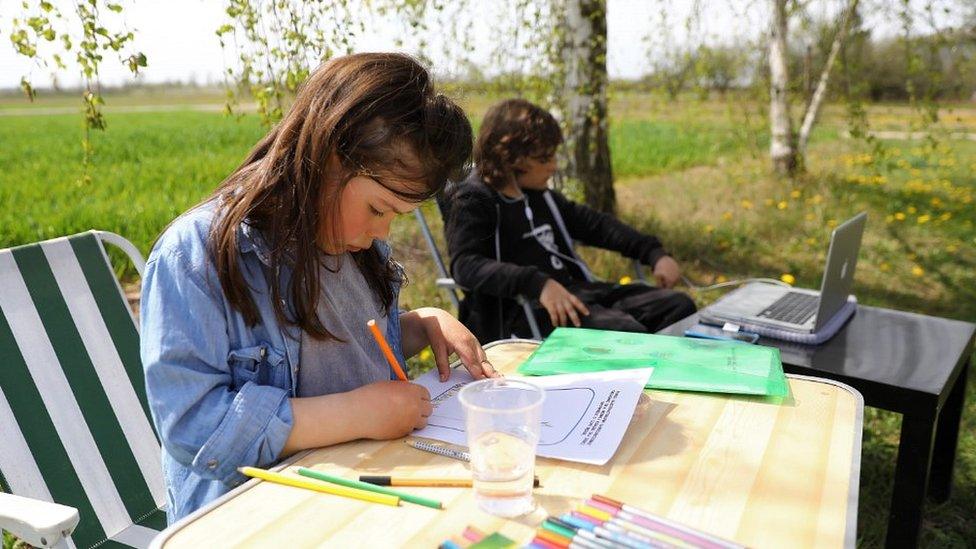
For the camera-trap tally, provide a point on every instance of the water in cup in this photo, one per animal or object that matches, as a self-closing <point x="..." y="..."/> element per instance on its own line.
<point x="502" y="465"/>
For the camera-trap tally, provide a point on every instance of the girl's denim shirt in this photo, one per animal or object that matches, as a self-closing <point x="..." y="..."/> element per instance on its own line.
<point x="218" y="389"/>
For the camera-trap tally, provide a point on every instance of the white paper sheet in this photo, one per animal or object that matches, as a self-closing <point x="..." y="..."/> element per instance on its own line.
<point x="584" y="416"/>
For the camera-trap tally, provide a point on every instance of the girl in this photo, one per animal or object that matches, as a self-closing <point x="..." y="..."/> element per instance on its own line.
<point x="255" y="303"/>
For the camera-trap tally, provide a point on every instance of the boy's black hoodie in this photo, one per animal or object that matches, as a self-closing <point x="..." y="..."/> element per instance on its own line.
<point x="499" y="250"/>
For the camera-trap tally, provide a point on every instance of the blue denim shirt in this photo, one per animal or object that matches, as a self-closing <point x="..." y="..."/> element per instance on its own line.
<point x="218" y="389"/>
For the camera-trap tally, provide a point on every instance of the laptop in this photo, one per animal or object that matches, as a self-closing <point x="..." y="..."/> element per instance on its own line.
<point x="797" y="310"/>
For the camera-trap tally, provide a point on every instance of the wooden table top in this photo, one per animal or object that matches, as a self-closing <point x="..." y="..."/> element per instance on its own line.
<point x="753" y="470"/>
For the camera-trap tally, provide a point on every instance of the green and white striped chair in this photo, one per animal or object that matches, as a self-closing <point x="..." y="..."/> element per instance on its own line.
<point x="74" y="420"/>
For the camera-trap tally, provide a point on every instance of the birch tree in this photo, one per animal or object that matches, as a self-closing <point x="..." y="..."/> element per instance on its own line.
<point x="584" y="94"/>
<point x="786" y="147"/>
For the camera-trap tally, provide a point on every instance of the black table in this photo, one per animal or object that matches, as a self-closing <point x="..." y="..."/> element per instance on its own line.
<point x="908" y="363"/>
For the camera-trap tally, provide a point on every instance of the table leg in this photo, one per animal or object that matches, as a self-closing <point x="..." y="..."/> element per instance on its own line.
<point x="911" y="478"/>
<point x="946" y="439"/>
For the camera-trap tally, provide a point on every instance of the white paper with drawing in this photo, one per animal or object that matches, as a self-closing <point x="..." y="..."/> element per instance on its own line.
<point x="584" y="416"/>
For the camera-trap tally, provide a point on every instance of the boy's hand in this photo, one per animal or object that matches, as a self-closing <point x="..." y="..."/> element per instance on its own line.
<point x="391" y="409"/>
<point x="447" y="335"/>
<point x="562" y="305"/>
<point x="667" y="272"/>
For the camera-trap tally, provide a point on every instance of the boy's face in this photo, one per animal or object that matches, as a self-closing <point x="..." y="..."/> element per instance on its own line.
<point x="536" y="172"/>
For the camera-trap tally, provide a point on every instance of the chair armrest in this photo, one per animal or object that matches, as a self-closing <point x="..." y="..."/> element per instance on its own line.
<point x="38" y="523"/>
<point x="449" y="284"/>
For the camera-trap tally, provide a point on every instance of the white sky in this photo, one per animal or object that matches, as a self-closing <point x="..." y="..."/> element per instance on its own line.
<point x="178" y="36"/>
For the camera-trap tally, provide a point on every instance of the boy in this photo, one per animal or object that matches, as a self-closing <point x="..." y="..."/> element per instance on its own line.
<point x="508" y="234"/>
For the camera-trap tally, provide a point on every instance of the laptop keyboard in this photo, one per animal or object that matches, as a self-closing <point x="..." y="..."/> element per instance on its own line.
<point x="794" y="307"/>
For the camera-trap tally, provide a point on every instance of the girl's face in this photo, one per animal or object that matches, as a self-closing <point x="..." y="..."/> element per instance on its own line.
<point x="366" y="209"/>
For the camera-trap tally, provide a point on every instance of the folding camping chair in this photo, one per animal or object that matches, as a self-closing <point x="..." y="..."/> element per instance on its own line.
<point x="446" y="283"/>
<point x="79" y="459"/>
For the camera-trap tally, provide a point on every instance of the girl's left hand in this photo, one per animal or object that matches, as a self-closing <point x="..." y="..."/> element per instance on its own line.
<point x="447" y="335"/>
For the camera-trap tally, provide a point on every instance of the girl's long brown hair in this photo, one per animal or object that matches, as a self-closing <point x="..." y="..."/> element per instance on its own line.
<point x="378" y="114"/>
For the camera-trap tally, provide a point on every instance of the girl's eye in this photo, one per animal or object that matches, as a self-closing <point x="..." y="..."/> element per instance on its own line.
<point x="375" y="212"/>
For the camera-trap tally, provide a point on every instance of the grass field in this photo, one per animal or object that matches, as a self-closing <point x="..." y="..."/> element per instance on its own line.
<point x="695" y="173"/>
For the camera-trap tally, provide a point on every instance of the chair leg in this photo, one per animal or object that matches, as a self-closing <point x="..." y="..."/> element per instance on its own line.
<point x="530" y="317"/>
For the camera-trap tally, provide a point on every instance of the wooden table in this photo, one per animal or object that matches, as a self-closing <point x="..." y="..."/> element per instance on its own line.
<point x="761" y="472"/>
<point x="908" y="363"/>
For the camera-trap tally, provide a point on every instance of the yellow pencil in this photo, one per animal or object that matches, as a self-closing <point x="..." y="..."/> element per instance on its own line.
<point x="318" y="486"/>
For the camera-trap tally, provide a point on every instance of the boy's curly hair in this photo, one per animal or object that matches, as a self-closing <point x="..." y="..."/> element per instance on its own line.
<point x="513" y="130"/>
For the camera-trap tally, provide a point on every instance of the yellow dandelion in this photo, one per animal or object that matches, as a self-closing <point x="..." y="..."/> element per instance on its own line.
<point x="624" y="280"/>
<point x="899" y="216"/>
<point x="746" y="204"/>
<point x="884" y="267"/>
<point x="426" y="354"/>
<point x="924" y="219"/>
<point x="831" y="223"/>
<point x="782" y="205"/>
<point x="708" y="229"/>
<point x="952" y="248"/>
<point x="720" y="279"/>
<point x="912" y="210"/>
<point x="946" y="216"/>
<point x="788" y="278"/>
<point x="795" y="194"/>
<point x="817" y="199"/>
<point x="936" y="201"/>
<point x="727" y="216"/>
<point x="811" y="241"/>
<point x="917" y="270"/>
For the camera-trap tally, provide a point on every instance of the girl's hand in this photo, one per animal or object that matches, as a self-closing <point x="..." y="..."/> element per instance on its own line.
<point x="445" y="335"/>
<point x="391" y="409"/>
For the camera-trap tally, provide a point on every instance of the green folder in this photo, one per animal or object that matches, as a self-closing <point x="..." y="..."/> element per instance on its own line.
<point x="679" y="363"/>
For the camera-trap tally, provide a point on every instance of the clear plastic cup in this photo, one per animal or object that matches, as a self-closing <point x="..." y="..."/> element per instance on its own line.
<point x="502" y="419"/>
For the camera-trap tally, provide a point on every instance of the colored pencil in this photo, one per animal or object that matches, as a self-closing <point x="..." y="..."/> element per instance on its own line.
<point x="645" y="517"/>
<point x="580" y="531"/>
<point x="369" y="487"/>
<point x="613" y="532"/>
<point x="317" y="486"/>
<point x="545" y="543"/>
<point x="420" y="481"/>
<point x="473" y="534"/>
<point x="387" y="352"/>
<point x="553" y="537"/>
<point x="650" y="529"/>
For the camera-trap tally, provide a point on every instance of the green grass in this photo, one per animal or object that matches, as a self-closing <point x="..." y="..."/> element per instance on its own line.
<point x="693" y="172"/>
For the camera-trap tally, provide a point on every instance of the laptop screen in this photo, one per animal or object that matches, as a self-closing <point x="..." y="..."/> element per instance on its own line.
<point x="838" y="276"/>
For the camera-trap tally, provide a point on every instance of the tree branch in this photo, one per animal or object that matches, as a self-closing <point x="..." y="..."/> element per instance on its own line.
<point x="813" y="109"/>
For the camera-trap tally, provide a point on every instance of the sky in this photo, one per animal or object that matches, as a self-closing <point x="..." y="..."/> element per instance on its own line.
<point x="179" y="40"/>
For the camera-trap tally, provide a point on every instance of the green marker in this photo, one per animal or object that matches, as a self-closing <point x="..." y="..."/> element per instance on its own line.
<point x="305" y="472"/>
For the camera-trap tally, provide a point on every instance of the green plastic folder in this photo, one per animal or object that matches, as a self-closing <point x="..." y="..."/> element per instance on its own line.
<point x="679" y="363"/>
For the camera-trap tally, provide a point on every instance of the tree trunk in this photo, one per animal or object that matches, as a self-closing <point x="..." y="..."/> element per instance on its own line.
<point x="818" y="95"/>
<point x="584" y="57"/>
<point x="781" y="147"/>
